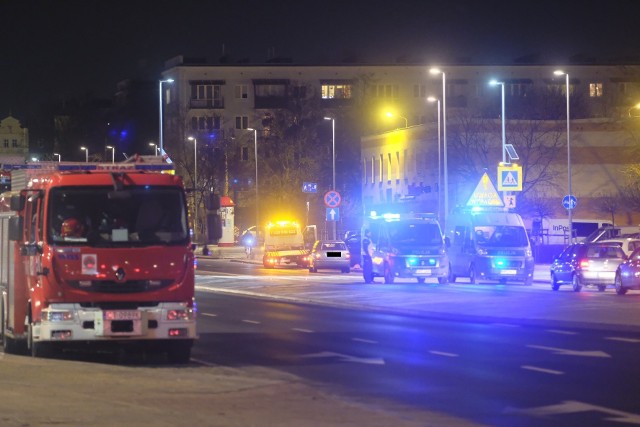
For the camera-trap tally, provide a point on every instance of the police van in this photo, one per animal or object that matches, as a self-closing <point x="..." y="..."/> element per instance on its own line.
<point x="404" y="246"/>
<point x="489" y="244"/>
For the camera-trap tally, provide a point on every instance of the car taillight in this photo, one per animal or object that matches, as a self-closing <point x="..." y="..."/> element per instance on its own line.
<point x="584" y="263"/>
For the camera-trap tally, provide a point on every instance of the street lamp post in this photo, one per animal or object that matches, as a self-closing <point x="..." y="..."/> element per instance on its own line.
<point x="195" y="185"/>
<point x="333" y="151"/>
<point x="113" y="153"/>
<point x="160" y="111"/>
<point x="86" y="153"/>
<point x="504" y="138"/>
<point x="255" y="155"/>
<point x="406" y="122"/>
<point x="59" y="157"/>
<point x="570" y="210"/>
<point x="444" y="142"/>
<point x="434" y="99"/>
<point x="155" y="148"/>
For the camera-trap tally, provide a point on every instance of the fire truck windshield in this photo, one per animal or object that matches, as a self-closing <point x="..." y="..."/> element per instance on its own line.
<point x="135" y="216"/>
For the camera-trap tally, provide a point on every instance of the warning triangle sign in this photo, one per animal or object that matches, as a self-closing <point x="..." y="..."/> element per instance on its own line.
<point x="485" y="194"/>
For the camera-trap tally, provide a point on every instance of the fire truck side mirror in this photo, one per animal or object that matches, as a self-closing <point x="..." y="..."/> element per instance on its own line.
<point x="17" y="202"/>
<point x="15" y="228"/>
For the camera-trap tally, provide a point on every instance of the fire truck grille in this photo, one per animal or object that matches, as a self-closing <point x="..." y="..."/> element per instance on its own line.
<point x="112" y="287"/>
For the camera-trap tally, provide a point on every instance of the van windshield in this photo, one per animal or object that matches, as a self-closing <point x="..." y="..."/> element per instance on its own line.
<point x="403" y="234"/>
<point x="501" y="236"/>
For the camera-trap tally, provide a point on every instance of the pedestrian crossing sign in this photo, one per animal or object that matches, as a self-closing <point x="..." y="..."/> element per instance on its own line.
<point x="485" y="194"/>
<point x="510" y="178"/>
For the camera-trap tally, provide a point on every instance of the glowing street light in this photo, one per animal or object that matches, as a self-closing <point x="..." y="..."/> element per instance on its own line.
<point x="255" y="155"/>
<point x="436" y="71"/>
<point x="59" y="157"/>
<point x="86" y="153"/>
<point x="155" y="148"/>
<point x="570" y="210"/>
<point x="504" y="138"/>
<point x="195" y="185"/>
<point x="434" y="99"/>
<point x="406" y="122"/>
<point x="160" y="111"/>
<point x="113" y="153"/>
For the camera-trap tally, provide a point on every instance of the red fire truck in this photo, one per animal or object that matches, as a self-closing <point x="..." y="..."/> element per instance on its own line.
<point x="97" y="254"/>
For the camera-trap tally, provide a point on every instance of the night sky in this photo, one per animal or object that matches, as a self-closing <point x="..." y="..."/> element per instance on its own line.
<point x="55" y="49"/>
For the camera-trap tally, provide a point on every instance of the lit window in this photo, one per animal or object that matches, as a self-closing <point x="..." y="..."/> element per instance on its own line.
<point x="595" y="90"/>
<point x="336" y="91"/>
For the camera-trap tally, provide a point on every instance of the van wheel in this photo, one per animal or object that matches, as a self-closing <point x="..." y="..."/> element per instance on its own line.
<point x="388" y="275"/>
<point x="472" y="275"/>
<point x="620" y="290"/>
<point x="443" y="280"/>
<point x="601" y="288"/>
<point x="420" y="279"/>
<point x="554" y="282"/>
<point x="577" y="284"/>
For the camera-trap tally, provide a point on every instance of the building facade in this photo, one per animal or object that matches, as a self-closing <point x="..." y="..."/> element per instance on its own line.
<point x="14" y="141"/>
<point x="225" y="100"/>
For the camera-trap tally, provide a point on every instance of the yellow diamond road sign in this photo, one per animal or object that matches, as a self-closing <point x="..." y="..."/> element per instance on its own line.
<point x="485" y="194"/>
<point x="510" y="178"/>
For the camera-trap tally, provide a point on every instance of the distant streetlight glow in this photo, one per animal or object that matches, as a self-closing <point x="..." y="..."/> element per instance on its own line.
<point x="113" y="153"/>
<point x="195" y="185"/>
<point x="570" y="210"/>
<point x="504" y="137"/>
<point x="255" y="155"/>
<point x="436" y="71"/>
<point x="86" y="153"/>
<point x="160" y="112"/>
<point x="406" y="122"/>
<point x="155" y="148"/>
<point x="59" y="157"/>
<point x="434" y="99"/>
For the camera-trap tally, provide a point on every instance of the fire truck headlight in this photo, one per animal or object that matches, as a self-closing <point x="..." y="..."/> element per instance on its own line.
<point x="180" y="314"/>
<point x="57" y="316"/>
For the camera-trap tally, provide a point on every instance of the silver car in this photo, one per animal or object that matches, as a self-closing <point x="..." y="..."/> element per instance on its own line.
<point x="587" y="264"/>
<point x="628" y="274"/>
<point x="329" y="254"/>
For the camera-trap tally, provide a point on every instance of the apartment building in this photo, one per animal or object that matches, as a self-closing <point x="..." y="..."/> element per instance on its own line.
<point x="14" y="141"/>
<point x="224" y="100"/>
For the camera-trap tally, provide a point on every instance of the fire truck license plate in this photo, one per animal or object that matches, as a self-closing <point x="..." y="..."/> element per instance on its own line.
<point x="122" y="315"/>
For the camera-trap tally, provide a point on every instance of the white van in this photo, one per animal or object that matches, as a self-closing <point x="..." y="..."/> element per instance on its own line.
<point x="489" y="245"/>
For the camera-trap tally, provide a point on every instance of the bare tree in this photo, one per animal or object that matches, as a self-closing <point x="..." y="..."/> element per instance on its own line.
<point x="609" y="204"/>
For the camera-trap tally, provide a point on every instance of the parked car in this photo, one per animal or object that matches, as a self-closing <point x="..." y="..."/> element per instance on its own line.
<point x="329" y="254"/>
<point x="628" y="274"/>
<point x="627" y="244"/>
<point x="587" y="264"/>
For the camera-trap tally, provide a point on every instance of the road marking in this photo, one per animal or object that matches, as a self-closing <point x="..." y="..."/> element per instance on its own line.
<point x="443" y="353"/>
<point x="568" y="352"/>
<point x="508" y="325"/>
<point x="364" y="340"/>
<point x="345" y="358"/>
<point x="308" y="331"/>
<point x="202" y="362"/>
<point x="208" y="314"/>
<point x="544" y="370"/>
<point x="558" y="331"/>
<point x="255" y="322"/>
<point x="632" y="340"/>
<point x="572" y="406"/>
